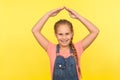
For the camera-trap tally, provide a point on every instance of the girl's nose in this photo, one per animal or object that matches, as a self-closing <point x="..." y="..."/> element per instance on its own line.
<point x="64" y="37"/>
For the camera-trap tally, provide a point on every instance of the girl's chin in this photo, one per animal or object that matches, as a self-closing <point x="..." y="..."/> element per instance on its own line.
<point x="64" y="45"/>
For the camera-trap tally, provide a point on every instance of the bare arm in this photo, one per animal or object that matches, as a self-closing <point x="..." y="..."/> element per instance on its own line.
<point x="93" y="30"/>
<point x="36" y="30"/>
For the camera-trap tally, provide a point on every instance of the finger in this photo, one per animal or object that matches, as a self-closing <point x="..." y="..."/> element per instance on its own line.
<point x="68" y="9"/>
<point x="62" y="7"/>
<point x="59" y="9"/>
<point x="56" y="11"/>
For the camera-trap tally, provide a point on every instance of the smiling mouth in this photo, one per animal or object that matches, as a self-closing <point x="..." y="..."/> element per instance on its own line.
<point x="64" y="41"/>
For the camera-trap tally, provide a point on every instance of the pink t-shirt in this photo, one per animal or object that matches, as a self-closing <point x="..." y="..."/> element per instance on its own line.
<point x="52" y="54"/>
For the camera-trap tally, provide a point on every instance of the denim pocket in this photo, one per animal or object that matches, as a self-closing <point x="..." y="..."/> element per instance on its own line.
<point x="59" y="74"/>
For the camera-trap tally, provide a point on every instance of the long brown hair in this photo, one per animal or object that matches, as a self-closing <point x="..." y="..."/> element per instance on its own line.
<point x="64" y="21"/>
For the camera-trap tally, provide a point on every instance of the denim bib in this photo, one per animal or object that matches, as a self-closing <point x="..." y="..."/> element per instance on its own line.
<point x="64" y="68"/>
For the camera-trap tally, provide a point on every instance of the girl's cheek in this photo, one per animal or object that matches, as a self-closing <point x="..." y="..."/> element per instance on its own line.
<point x="70" y="36"/>
<point x="59" y="37"/>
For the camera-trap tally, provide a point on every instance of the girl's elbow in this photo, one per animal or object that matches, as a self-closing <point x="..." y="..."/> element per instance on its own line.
<point x="34" y="30"/>
<point x="95" y="31"/>
<point x="98" y="31"/>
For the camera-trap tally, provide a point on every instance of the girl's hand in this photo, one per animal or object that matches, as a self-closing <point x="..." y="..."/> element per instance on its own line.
<point x="54" y="12"/>
<point x="72" y="13"/>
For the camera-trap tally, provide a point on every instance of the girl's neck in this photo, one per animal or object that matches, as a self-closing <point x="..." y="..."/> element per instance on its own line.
<point x="64" y="48"/>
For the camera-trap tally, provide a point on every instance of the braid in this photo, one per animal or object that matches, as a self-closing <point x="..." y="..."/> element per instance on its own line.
<point x="75" y="56"/>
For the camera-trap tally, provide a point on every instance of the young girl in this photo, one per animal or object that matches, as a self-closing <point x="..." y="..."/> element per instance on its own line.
<point x="65" y="56"/>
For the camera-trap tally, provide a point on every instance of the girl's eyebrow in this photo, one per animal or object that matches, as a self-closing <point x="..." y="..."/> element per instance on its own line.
<point x="60" y="33"/>
<point x="67" y="33"/>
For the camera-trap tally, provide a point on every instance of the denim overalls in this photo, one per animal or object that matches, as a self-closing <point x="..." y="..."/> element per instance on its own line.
<point x="64" y="68"/>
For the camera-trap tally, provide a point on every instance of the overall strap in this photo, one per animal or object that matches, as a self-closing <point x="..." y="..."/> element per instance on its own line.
<point x="57" y="48"/>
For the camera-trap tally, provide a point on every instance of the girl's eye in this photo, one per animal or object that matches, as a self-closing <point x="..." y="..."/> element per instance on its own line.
<point x="67" y="33"/>
<point x="60" y="34"/>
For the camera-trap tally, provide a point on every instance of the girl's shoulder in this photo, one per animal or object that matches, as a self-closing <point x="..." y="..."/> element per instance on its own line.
<point x="51" y="45"/>
<point x="78" y="45"/>
<point x="51" y="48"/>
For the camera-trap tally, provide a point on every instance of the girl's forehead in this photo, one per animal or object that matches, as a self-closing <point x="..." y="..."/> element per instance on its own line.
<point x="64" y="26"/>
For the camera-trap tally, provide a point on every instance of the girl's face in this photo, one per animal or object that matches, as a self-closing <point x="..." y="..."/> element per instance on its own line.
<point x="64" y="35"/>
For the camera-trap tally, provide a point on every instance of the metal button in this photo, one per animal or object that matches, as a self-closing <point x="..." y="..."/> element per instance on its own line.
<point x="60" y="65"/>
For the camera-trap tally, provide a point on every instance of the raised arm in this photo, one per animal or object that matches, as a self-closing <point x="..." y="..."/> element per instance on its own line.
<point x="93" y="30"/>
<point x="36" y="30"/>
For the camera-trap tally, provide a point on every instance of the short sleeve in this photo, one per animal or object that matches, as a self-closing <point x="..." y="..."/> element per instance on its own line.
<point x="51" y="49"/>
<point x="79" y="48"/>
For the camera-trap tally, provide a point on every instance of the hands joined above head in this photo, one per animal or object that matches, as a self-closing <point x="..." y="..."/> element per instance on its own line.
<point x="72" y="13"/>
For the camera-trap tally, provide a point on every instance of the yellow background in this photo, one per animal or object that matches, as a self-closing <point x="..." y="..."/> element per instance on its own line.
<point x="22" y="58"/>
